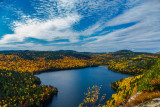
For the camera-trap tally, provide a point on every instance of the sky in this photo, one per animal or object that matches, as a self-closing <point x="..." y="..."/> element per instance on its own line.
<point x="81" y="25"/>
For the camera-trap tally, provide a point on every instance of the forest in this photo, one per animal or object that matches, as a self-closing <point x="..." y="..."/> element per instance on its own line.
<point x="23" y="89"/>
<point x="19" y="86"/>
<point x="146" y="84"/>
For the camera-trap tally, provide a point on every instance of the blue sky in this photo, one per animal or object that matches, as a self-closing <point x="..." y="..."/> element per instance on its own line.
<point x="81" y="25"/>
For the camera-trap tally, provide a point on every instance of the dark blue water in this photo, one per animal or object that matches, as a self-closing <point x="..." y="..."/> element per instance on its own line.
<point x="72" y="84"/>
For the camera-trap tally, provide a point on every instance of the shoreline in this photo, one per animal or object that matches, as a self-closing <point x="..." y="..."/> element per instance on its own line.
<point x="55" y="70"/>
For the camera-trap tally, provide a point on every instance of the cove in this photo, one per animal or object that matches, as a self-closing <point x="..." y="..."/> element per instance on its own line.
<point x="72" y="84"/>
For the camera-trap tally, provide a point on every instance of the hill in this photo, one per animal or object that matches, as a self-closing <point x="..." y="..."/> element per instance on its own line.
<point x="123" y="52"/>
<point x="148" y="85"/>
<point x="27" y="62"/>
<point x="144" y="87"/>
<point x="129" y="52"/>
<point x="50" y="55"/>
<point x="157" y="53"/>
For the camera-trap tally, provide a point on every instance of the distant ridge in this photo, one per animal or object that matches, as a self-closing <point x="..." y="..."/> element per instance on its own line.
<point x="124" y="51"/>
<point x="157" y="53"/>
<point x="129" y="52"/>
<point x="13" y="51"/>
<point x="66" y="51"/>
<point x="120" y="52"/>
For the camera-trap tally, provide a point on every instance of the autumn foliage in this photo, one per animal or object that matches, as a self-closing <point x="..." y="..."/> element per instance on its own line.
<point x="16" y="63"/>
<point x="126" y="88"/>
<point x="132" y="65"/>
<point x="143" y="97"/>
<point x="18" y="85"/>
<point x="23" y="89"/>
<point x="148" y="84"/>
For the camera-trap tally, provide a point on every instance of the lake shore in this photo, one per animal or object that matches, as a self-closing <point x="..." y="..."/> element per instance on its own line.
<point x="73" y="83"/>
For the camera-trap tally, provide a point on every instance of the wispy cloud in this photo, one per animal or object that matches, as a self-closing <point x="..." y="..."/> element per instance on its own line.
<point x="59" y="17"/>
<point x="145" y="34"/>
<point x="55" y="20"/>
<point x="48" y="30"/>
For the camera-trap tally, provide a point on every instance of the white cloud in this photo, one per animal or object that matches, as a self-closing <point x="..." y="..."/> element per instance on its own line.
<point x="138" y="13"/>
<point x="55" y="25"/>
<point x="145" y="34"/>
<point x="61" y="16"/>
<point x="48" y="30"/>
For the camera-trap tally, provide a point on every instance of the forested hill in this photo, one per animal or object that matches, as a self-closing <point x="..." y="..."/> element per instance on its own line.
<point x="20" y="88"/>
<point x="144" y="88"/>
<point x="52" y="55"/>
<point x="129" y="52"/>
<point x="158" y="53"/>
<point x="124" y="61"/>
<point x="25" y="63"/>
<point x="31" y="54"/>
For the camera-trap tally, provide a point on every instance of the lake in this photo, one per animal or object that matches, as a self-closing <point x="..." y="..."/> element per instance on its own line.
<point x="72" y="84"/>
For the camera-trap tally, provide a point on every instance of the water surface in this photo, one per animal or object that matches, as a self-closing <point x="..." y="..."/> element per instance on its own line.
<point x="72" y="84"/>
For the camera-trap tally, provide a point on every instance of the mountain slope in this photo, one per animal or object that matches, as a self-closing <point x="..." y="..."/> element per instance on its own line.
<point x="148" y="84"/>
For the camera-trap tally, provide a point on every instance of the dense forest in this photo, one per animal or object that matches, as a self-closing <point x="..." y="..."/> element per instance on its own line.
<point x="147" y="85"/>
<point x="127" y="61"/>
<point x="19" y="86"/>
<point x="23" y="89"/>
<point x="36" y="62"/>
